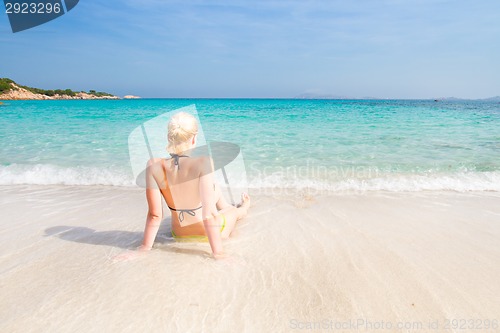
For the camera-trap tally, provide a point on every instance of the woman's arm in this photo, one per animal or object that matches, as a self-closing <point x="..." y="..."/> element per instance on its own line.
<point x="155" y="213"/>
<point x="212" y="220"/>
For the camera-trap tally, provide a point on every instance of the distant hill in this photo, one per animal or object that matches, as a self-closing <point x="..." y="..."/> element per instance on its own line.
<point x="451" y="99"/>
<point x="10" y="90"/>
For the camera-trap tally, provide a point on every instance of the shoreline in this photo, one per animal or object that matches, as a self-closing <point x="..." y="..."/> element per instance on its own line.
<point x="270" y="191"/>
<point x="389" y="257"/>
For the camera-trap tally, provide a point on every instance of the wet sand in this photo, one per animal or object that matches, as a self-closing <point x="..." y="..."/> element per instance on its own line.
<point x="345" y="261"/>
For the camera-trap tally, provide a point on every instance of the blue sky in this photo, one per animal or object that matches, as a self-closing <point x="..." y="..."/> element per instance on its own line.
<point x="263" y="48"/>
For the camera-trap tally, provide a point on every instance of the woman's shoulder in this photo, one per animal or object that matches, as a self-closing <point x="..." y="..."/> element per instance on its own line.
<point x="205" y="164"/>
<point x="155" y="166"/>
<point x="155" y="161"/>
<point x="202" y="159"/>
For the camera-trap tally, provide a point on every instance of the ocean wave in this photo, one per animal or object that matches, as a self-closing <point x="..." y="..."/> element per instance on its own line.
<point x="460" y="182"/>
<point x="46" y="174"/>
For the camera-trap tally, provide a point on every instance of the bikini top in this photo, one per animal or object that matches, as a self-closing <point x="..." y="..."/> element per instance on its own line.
<point x="182" y="211"/>
<point x="176" y="159"/>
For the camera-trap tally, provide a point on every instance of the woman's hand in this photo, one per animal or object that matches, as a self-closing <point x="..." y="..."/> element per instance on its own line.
<point x="130" y="255"/>
<point x="221" y="255"/>
<point x="227" y="259"/>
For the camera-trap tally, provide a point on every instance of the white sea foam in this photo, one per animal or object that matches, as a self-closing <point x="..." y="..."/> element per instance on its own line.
<point x="46" y="174"/>
<point x="460" y="181"/>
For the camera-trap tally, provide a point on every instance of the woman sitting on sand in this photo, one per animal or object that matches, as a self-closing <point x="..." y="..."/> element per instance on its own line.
<point x="198" y="208"/>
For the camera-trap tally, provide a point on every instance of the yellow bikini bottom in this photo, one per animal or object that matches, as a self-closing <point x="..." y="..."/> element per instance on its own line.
<point x="197" y="238"/>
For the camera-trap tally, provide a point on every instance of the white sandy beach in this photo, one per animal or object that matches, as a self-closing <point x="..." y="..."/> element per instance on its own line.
<point x="301" y="263"/>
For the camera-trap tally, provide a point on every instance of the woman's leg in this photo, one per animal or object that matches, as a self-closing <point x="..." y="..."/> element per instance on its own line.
<point x="221" y="203"/>
<point x="233" y="214"/>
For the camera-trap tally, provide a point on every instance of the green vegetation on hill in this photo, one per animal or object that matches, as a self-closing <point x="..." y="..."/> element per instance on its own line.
<point x="98" y="93"/>
<point x="5" y="86"/>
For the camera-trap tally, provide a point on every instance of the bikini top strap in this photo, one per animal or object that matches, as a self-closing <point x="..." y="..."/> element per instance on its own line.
<point x="176" y="159"/>
<point x="182" y="211"/>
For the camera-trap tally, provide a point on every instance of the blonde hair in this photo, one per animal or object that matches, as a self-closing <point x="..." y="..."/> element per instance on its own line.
<point x="181" y="128"/>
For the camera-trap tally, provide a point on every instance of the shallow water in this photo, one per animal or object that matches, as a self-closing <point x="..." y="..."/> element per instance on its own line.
<point x="311" y="250"/>
<point x="321" y="144"/>
<point x="392" y="257"/>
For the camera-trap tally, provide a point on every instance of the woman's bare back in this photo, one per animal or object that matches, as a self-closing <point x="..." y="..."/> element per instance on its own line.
<point x="179" y="186"/>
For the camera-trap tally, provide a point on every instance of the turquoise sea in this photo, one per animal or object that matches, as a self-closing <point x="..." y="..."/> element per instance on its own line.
<point x="395" y="145"/>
